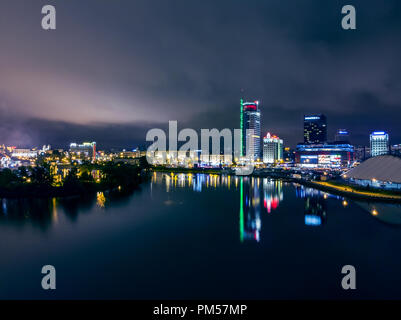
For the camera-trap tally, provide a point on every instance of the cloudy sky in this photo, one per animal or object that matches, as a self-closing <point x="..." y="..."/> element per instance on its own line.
<point x="115" y="68"/>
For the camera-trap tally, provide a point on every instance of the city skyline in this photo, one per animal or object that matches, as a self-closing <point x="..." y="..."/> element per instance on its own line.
<point x="115" y="81"/>
<point x="152" y="151"/>
<point x="327" y="139"/>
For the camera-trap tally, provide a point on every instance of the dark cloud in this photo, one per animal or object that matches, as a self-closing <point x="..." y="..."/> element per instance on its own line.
<point x="129" y="64"/>
<point x="26" y="132"/>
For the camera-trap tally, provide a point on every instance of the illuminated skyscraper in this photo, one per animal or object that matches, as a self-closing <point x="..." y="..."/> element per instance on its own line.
<point x="379" y="143"/>
<point x="250" y="130"/>
<point x="315" y="129"/>
<point x="272" y="149"/>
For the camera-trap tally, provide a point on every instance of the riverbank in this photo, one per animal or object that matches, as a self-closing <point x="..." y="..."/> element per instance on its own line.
<point x="328" y="186"/>
<point x="192" y="170"/>
<point x="353" y="192"/>
<point x="115" y="178"/>
<point x="61" y="192"/>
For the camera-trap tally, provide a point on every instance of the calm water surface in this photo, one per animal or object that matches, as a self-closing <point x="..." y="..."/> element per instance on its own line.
<point x="201" y="236"/>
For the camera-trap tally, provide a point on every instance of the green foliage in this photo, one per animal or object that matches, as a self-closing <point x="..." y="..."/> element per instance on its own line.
<point x="72" y="183"/>
<point x="41" y="175"/>
<point x="23" y="172"/>
<point x="120" y="175"/>
<point x="86" y="177"/>
<point x="38" y="181"/>
<point x="8" y="178"/>
<point x="143" y="163"/>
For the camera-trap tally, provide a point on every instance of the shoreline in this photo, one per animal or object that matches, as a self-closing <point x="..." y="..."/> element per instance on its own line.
<point x="342" y="190"/>
<point x="118" y="178"/>
<point x="350" y="192"/>
<point x="64" y="193"/>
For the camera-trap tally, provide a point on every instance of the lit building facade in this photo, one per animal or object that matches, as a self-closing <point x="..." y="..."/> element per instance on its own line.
<point x="24" y="153"/>
<point x="250" y="130"/>
<point x="315" y="129"/>
<point x="332" y="155"/>
<point x="379" y="143"/>
<point x="7" y="162"/>
<point x="189" y="159"/>
<point x="135" y="153"/>
<point x="272" y="149"/>
<point x="87" y="149"/>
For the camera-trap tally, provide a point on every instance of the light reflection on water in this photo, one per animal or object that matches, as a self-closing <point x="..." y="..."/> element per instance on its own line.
<point x="263" y="195"/>
<point x="186" y="231"/>
<point x="44" y="213"/>
<point x="256" y="197"/>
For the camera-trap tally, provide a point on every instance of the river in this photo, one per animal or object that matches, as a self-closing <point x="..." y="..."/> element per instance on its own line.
<point x="200" y="236"/>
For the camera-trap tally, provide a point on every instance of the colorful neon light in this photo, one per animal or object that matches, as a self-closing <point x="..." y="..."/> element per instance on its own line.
<point x="242" y="125"/>
<point x="241" y="212"/>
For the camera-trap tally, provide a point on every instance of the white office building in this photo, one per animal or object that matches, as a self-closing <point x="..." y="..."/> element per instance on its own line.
<point x="272" y="149"/>
<point x="379" y="143"/>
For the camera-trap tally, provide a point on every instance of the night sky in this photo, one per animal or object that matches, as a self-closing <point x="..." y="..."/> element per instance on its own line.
<point x="115" y="68"/>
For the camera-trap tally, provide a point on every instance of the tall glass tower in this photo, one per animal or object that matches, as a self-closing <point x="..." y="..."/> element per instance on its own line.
<point x="250" y="130"/>
<point x="315" y="129"/>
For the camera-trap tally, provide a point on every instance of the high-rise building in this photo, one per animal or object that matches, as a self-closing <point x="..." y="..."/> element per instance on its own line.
<point x="379" y="143"/>
<point x="342" y="135"/>
<point x="272" y="149"/>
<point x="250" y="130"/>
<point x="315" y="129"/>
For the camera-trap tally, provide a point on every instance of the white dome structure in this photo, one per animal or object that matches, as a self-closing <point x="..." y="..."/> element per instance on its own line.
<point x="381" y="172"/>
